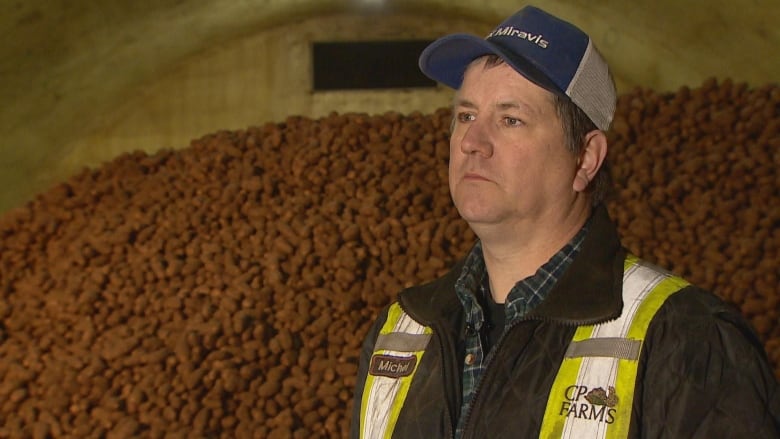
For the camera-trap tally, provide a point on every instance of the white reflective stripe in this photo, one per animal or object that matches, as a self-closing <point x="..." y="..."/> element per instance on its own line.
<point x="381" y="404"/>
<point x="638" y="281"/>
<point x="408" y="326"/>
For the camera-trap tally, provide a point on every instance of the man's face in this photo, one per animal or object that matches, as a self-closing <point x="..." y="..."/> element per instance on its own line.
<point x="508" y="158"/>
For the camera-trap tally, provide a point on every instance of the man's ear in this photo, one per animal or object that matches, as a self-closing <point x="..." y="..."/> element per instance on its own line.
<point x="591" y="158"/>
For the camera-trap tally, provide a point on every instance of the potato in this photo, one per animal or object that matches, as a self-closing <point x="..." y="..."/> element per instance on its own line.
<point x="224" y="289"/>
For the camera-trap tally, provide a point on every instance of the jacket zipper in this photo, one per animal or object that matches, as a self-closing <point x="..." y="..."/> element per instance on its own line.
<point x="493" y="353"/>
<point x="447" y="393"/>
<point x="448" y="390"/>
<point x="488" y="360"/>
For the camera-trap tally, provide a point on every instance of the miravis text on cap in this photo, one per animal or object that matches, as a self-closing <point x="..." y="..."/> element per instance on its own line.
<point x="552" y="53"/>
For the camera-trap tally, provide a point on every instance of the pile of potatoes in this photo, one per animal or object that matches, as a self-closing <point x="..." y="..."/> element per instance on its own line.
<point x="223" y="289"/>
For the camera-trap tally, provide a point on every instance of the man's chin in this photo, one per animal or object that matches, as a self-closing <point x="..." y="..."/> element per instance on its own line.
<point x="479" y="217"/>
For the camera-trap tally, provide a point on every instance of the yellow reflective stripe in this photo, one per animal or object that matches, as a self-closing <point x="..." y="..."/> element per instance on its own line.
<point x="383" y="397"/>
<point x="652" y="303"/>
<point x="625" y="381"/>
<point x="646" y="288"/>
<point x="369" y="428"/>
<point x="627" y="370"/>
<point x="553" y="422"/>
<point x="582" y="333"/>
<point x="393" y="317"/>
<point x="629" y="262"/>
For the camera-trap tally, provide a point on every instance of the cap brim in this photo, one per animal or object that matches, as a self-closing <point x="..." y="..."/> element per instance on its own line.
<point x="445" y="61"/>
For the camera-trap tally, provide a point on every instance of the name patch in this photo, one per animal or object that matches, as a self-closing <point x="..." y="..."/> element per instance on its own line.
<point x="391" y="366"/>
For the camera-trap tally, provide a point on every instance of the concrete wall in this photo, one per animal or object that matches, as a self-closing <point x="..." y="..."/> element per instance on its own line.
<point x="83" y="81"/>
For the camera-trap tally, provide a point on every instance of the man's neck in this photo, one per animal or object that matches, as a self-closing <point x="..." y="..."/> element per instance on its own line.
<point x="515" y="253"/>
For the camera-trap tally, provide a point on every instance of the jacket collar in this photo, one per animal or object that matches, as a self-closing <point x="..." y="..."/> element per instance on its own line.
<point x="589" y="292"/>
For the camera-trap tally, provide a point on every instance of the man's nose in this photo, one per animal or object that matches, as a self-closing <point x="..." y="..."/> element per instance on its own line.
<point x="477" y="139"/>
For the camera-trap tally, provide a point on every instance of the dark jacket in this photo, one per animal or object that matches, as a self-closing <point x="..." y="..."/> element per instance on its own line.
<point x="703" y="373"/>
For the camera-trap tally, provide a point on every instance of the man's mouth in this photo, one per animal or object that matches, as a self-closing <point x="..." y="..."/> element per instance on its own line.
<point x="473" y="176"/>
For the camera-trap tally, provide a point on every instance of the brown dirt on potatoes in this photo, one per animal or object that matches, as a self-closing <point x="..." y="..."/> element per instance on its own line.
<point x="223" y="290"/>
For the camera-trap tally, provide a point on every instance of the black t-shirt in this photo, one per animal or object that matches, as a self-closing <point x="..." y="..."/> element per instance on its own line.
<point x="495" y="318"/>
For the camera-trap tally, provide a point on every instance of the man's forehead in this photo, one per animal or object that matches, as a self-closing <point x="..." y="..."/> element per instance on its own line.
<point x="513" y="93"/>
<point x="483" y="66"/>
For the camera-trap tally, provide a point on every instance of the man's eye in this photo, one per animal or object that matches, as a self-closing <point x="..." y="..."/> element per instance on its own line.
<point x="465" y="117"/>
<point x="511" y="121"/>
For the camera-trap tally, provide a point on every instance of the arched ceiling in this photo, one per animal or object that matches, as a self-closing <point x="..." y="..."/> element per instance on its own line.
<point x="79" y="75"/>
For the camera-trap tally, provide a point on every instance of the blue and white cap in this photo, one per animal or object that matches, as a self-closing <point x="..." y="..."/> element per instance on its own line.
<point x="552" y="53"/>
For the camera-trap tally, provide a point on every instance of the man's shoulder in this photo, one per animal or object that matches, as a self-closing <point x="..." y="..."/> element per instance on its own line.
<point x="693" y="301"/>
<point x="434" y="298"/>
<point x="703" y="358"/>
<point x="703" y="318"/>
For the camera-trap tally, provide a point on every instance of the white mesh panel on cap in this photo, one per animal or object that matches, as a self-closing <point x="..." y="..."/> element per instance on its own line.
<point x="592" y="88"/>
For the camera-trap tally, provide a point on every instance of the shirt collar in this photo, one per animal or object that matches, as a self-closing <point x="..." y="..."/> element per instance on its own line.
<point x="526" y="294"/>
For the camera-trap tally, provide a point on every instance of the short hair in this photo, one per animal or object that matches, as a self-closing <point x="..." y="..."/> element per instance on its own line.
<point x="576" y="126"/>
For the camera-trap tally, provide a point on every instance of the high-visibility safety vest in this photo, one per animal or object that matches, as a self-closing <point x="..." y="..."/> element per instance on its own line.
<point x="593" y="392"/>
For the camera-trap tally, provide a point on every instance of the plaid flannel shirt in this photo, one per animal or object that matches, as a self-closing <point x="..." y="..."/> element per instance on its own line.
<point x="523" y="297"/>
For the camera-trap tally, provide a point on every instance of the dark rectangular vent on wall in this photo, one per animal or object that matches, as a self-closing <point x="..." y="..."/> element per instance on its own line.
<point x="368" y="65"/>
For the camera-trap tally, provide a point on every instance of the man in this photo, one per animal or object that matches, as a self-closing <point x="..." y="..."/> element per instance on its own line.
<point x="548" y="328"/>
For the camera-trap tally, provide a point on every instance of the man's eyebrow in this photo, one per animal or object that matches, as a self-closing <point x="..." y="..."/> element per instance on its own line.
<point x="507" y="105"/>
<point x="515" y="105"/>
<point x="460" y="102"/>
